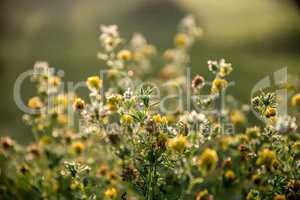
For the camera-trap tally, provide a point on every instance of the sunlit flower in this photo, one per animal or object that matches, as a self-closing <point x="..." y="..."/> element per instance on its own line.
<point x="94" y="83"/>
<point x="111" y="193"/>
<point x="35" y="103"/>
<point x="125" y="55"/>
<point x="157" y="118"/>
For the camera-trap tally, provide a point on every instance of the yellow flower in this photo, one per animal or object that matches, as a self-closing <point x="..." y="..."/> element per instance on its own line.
<point x="256" y="179"/>
<point x="55" y="81"/>
<point x="79" y="104"/>
<point x="178" y="143"/>
<point x="253" y="132"/>
<point x="111" y="193"/>
<point x="164" y="120"/>
<point x="225" y="69"/>
<point x="126" y="119"/>
<point x="218" y="85"/>
<point x="266" y="157"/>
<point x="229" y="176"/>
<point x="208" y="159"/>
<point x="125" y="55"/>
<point x="78" y="147"/>
<point x="296" y="147"/>
<point x="149" y="50"/>
<point x="270" y="112"/>
<point x="226" y="141"/>
<point x="61" y="100"/>
<point x="296" y="100"/>
<point x="113" y="101"/>
<point x="279" y="197"/>
<point x="237" y="117"/>
<point x="35" y="103"/>
<point x="113" y="73"/>
<point x="157" y="118"/>
<point x="181" y="40"/>
<point x="94" y="83"/>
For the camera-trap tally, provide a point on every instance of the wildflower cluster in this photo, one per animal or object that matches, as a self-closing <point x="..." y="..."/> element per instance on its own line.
<point x="126" y="148"/>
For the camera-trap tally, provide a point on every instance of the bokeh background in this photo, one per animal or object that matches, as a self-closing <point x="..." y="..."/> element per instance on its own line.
<point x="257" y="36"/>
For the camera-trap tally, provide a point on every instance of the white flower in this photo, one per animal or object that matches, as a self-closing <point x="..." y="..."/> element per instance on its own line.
<point x="138" y="41"/>
<point x="110" y="37"/>
<point x="286" y="124"/>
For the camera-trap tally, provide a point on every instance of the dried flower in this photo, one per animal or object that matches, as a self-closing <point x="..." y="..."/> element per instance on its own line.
<point x="198" y="82"/>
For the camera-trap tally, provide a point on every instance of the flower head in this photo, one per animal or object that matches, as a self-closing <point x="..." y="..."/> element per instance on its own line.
<point x="296" y="100"/>
<point x="94" y="83"/>
<point x="208" y="159"/>
<point x="218" y="85"/>
<point x="178" y="143"/>
<point x="198" y="82"/>
<point x="111" y="193"/>
<point x="126" y="119"/>
<point x="266" y="157"/>
<point x="124" y="55"/>
<point x="79" y="104"/>
<point x="35" y="103"/>
<point x="78" y="147"/>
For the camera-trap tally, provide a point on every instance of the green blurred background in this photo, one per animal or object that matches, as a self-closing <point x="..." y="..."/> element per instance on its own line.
<point x="257" y="36"/>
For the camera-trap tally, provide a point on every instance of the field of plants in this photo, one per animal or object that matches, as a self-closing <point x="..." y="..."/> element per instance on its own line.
<point x="163" y="137"/>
